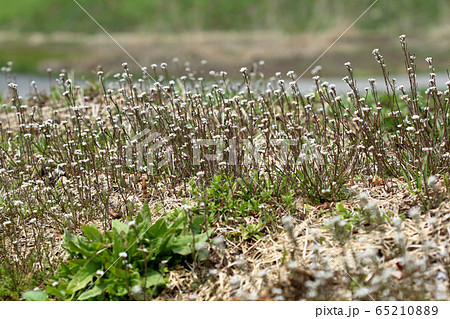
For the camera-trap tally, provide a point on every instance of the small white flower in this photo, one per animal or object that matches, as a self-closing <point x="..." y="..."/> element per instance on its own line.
<point x="143" y="250"/>
<point x="219" y="241"/>
<point x="200" y="174"/>
<point x="123" y="255"/>
<point x="342" y="223"/>
<point x="240" y="263"/>
<point x="292" y="265"/>
<point x="55" y="284"/>
<point x="186" y="207"/>
<point x="132" y="223"/>
<point x="136" y="290"/>
<point x="213" y="272"/>
<point x="192" y="297"/>
<point x="277" y="291"/>
<point x="364" y="198"/>
<point x="100" y="273"/>
<point x="372" y="207"/>
<point x="414" y="212"/>
<point x="316" y="69"/>
<point x="432" y="182"/>
<point x="362" y="292"/>
<point x="236" y="280"/>
<point x="17" y="203"/>
<point x="333" y="221"/>
<point x="441" y="276"/>
<point x="287" y="222"/>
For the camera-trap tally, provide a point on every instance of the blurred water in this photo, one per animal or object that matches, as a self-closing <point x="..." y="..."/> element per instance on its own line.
<point x="23" y="83"/>
<point x="422" y="80"/>
<point x="305" y="84"/>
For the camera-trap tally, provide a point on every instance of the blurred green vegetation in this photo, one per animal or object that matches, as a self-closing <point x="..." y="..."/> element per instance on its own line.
<point x="28" y="57"/>
<point x="385" y="20"/>
<point x="182" y="15"/>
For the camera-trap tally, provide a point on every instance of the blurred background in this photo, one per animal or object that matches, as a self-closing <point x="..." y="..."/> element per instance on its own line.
<point x="224" y="34"/>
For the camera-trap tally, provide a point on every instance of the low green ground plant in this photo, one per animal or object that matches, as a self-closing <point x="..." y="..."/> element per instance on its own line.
<point x="129" y="262"/>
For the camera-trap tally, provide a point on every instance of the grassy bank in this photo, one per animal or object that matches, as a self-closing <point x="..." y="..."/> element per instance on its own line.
<point x="175" y="16"/>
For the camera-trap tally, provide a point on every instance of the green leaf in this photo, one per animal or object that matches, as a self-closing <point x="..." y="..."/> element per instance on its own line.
<point x="179" y="222"/>
<point x="82" y="278"/>
<point x="35" y="296"/>
<point x="118" y="246"/>
<point x="120" y="273"/>
<point x="197" y="224"/>
<point x="94" y="292"/>
<point x="53" y="291"/>
<point x="182" y="244"/>
<point x="87" y="249"/>
<point x="163" y="246"/>
<point x="120" y="227"/>
<point x="71" y="243"/>
<point x="158" y="229"/>
<point x="92" y="233"/>
<point x="153" y="278"/>
<point x="341" y="208"/>
<point x="143" y="220"/>
<point x="65" y="270"/>
<point x="144" y="215"/>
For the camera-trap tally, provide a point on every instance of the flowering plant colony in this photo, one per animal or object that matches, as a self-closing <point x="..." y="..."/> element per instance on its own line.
<point x="203" y="187"/>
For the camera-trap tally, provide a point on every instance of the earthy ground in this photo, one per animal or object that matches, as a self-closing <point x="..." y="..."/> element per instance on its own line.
<point x="258" y="270"/>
